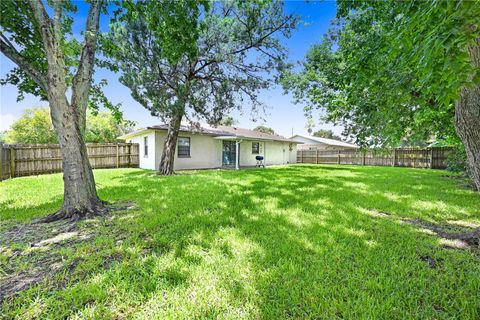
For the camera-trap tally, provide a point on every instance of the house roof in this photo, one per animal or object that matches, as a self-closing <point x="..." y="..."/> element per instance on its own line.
<point x="331" y="142"/>
<point x="219" y="131"/>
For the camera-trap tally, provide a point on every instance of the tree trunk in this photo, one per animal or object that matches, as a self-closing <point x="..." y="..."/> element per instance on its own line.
<point x="80" y="195"/>
<point x="168" y="155"/>
<point x="467" y="119"/>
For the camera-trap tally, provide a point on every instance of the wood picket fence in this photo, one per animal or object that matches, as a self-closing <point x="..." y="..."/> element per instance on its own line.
<point x="34" y="159"/>
<point x="434" y="158"/>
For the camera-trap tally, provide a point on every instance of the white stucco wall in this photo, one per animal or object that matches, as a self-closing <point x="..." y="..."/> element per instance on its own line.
<point x="276" y="153"/>
<point x="205" y="152"/>
<point x="149" y="161"/>
<point x="247" y="158"/>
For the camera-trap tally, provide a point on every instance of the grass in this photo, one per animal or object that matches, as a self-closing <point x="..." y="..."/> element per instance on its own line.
<point x="299" y="242"/>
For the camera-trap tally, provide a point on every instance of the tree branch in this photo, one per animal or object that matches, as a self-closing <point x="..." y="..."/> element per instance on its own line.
<point x="83" y="77"/>
<point x="44" y="24"/>
<point x="11" y="53"/>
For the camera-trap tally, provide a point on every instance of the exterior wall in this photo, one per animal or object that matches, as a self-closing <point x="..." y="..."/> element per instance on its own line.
<point x="247" y="158"/>
<point x="274" y="152"/>
<point x="205" y="152"/>
<point x="149" y="161"/>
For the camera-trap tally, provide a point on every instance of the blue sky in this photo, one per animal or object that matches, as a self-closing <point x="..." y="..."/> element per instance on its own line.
<point x="281" y="114"/>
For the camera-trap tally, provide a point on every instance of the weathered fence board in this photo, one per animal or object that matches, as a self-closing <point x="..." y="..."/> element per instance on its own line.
<point x="34" y="159"/>
<point x="434" y="158"/>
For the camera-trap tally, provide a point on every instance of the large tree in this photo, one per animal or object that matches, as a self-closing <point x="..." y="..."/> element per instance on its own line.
<point x="37" y="36"/>
<point x="391" y="70"/>
<point x="207" y="61"/>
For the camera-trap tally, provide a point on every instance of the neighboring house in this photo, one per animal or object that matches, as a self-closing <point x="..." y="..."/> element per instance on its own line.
<point x="316" y="143"/>
<point x="208" y="147"/>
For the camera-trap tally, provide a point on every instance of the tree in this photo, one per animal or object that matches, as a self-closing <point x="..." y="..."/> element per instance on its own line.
<point x="228" y="121"/>
<point x="324" y="133"/>
<point x="51" y="63"/>
<point x="389" y="70"/>
<point x="35" y="126"/>
<point x="202" y="64"/>
<point x="264" y="129"/>
<point x="103" y="127"/>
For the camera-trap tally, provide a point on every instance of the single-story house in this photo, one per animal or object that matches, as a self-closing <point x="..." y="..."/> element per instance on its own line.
<point x="316" y="143"/>
<point x="209" y="147"/>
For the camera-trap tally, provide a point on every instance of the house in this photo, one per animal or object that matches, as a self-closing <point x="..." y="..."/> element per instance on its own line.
<point x="316" y="143"/>
<point x="208" y="147"/>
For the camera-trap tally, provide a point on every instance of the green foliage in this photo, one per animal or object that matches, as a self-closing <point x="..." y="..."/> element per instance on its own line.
<point x="104" y="127"/>
<point x="21" y="31"/>
<point x="457" y="161"/>
<point x="326" y="133"/>
<point x="3" y="136"/>
<point x="391" y="69"/>
<point x="197" y="65"/>
<point x="35" y="126"/>
<point x="297" y="242"/>
<point x="228" y="121"/>
<point x="264" y="129"/>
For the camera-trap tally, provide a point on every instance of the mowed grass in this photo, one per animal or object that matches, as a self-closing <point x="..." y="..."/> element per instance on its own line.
<point x="300" y="242"/>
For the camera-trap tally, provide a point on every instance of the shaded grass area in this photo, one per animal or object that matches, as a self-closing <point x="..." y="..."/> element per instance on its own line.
<point x="304" y="241"/>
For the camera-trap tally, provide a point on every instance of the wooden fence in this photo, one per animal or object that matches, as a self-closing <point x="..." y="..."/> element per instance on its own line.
<point x="34" y="159"/>
<point x="434" y="158"/>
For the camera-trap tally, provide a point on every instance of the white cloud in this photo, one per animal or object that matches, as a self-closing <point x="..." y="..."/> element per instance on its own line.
<point x="6" y="121"/>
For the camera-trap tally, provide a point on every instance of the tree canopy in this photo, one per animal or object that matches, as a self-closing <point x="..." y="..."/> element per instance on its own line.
<point x="228" y="121"/>
<point x="390" y="70"/>
<point x="35" y="126"/>
<point x="264" y="129"/>
<point x="325" y="133"/>
<point x="210" y="59"/>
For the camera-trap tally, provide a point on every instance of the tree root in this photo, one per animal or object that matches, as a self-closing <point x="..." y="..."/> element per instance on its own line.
<point x="74" y="214"/>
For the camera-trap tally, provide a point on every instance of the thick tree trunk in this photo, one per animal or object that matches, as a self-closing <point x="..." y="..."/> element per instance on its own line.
<point x="467" y="119"/>
<point x="80" y="195"/>
<point x="168" y="155"/>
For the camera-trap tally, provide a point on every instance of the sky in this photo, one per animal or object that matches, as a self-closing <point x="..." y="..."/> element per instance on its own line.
<point x="281" y="114"/>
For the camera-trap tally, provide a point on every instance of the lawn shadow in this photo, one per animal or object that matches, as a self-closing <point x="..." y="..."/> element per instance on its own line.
<point x="285" y="242"/>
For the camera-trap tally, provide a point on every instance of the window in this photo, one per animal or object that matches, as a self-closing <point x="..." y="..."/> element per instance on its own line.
<point x="255" y="147"/>
<point x="145" y="146"/>
<point x="183" y="147"/>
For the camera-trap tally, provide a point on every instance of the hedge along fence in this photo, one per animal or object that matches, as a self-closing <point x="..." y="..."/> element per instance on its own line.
<point x="434" y="158"/>
<point x="35" y="159"/>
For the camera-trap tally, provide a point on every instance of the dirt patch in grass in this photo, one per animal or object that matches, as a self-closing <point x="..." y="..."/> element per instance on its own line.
<point x="454" y="234"/>
<point x="30" y="253"/>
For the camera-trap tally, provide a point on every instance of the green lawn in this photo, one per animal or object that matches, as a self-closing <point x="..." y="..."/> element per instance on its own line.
<point x="301" y="242"/>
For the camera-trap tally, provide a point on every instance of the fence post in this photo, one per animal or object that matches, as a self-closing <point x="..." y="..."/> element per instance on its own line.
<point x="431" y="158"/>
<point x="317" y="157"/>
<point x="394" y="157"/>
<point x="12" y="162"/>
<point x="1" y="161"/>
<point x="301" y="156"/>
<point x="130" y="154"/>
<point x="338" y="156"/>
<point x="118" y="158"/>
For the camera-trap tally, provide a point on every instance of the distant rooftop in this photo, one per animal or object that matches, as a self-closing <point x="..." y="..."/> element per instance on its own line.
<point x="331" y="142"/>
